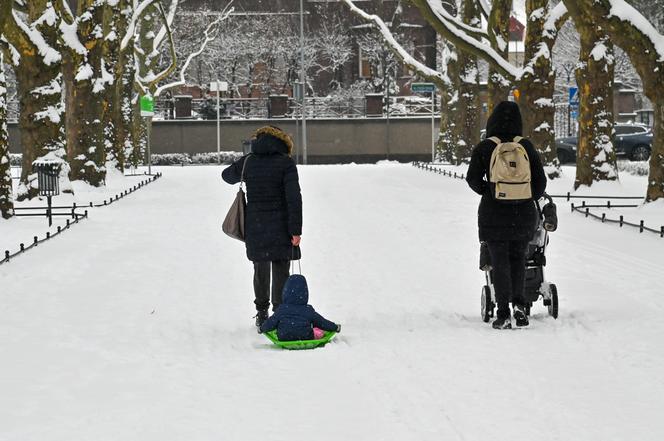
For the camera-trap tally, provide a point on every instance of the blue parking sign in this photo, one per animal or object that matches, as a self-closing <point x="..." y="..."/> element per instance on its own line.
<point x="574" y="96"/>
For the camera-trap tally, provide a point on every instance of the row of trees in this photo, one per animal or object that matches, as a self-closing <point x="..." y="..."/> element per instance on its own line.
<point x="81" y="67"/>
<point x="474" y="30"/>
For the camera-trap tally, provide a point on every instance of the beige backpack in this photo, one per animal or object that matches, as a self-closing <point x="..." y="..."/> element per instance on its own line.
<point x="510" y="170"/>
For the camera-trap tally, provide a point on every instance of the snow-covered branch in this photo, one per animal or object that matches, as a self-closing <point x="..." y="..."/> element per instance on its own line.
<point x="436" y="15"/>
<point x="159" y="39"/>
<point x="627" y="13"/>
<point x="556" y="19"/>
<point x="210" y="34"/>
<point x="139" y="10"/>
<point x="49" y="54"/>
<point x="424" y="70"/>
<point x="438" y="8"/>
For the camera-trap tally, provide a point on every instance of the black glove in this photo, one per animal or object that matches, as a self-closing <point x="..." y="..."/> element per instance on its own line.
<point x="338" y="328"/>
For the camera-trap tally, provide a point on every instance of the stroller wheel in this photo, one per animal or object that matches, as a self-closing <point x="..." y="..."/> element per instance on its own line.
<point x="487" y="304"/>
<point x="553" y="306"/>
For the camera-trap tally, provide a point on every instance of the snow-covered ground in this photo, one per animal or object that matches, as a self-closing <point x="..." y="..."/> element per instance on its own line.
<point x="137" y="324"/>
<point x="23" y="229"/>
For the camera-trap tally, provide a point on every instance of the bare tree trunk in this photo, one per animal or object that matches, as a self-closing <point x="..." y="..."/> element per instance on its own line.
<point x="86" y="148"/>
<point x="113" y="30"/>
<point x="449" y="130"/>
<point x="147" y="63"/>
<point x="6" y="193"/>
<point x="596" y="157"/>
<point x="537" y="87"/>
<point x="41" y="118"/>
<point x="5" y="10"/>
<point x="499" y="33"/>
<point x="656" y="177"/>
<point x="468" y="115"/>
<point x="640" y="45"/>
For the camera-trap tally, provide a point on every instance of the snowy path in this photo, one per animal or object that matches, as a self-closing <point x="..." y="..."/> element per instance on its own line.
<point x="147" y="334"/>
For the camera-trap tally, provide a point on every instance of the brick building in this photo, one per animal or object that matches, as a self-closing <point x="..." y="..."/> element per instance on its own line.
<point x="416" y="35"/>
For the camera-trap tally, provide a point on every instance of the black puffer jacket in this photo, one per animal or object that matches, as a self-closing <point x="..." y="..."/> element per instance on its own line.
<point x="274" y="202"/>
<point x="497" y="220"/>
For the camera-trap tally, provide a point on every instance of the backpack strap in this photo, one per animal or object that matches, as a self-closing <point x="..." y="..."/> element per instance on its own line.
<point x="518" y="139"/>
<point x="495" y="139"/>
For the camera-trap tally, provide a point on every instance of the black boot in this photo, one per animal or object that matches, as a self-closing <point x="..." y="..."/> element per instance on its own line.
<point x="261" y="316"/>
<point x="502" y="323"/>
<point x="520" y="316"/>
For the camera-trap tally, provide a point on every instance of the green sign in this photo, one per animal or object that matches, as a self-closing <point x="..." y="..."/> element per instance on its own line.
<point x="147" y="105"/>
<point x="422" y="87"/>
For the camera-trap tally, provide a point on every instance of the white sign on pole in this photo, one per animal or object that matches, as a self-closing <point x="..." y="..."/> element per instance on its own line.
<point x="219" y="86"/>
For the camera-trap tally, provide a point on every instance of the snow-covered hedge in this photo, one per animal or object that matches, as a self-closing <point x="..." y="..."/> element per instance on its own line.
<point x="636" y="168"/>
<point x="198" y="158"/>
<point x="15" y="159"/>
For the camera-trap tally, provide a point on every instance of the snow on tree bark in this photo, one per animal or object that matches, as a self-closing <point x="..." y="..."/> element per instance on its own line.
<point x="596" y="157"/>
<point x="537" y="85"/>
<point x="113" y="17"/>
<point x="468" y="107"/>
<point x="631" y="31"/>
<point x="40" y="82"/>
<point x="6" y="196"/>
<point x="85" y="104"/>
<point x="499" y="34"/>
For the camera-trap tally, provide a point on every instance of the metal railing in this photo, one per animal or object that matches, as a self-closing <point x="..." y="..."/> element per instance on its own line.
<point x="72" y="211"/>
<point x="585" y="210"/>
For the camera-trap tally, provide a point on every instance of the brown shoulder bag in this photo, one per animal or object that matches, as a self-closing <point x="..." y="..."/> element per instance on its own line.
<point x="233" y="224"/>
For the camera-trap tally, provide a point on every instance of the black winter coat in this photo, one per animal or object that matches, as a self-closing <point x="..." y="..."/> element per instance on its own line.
<point x="499" y="220"/>
<point x="274" y="202"/>
<point x="295" y="319"/>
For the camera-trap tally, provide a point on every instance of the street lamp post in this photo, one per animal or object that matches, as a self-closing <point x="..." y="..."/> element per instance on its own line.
<point x="303" y="80"/>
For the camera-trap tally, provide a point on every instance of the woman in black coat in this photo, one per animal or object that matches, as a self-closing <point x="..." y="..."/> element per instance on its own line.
<point x="506" y="227"/>
<point x="273" y="221"/>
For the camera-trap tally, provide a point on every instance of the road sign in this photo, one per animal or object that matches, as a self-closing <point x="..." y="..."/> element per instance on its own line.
<point x="147" y="106"/>
<point x="219" y="86"/>
<point x="422" y="87"/>
<point x="574" y="96"/>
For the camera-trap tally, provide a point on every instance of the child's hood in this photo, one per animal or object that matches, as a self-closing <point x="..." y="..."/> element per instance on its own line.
<point x="296" y="291"/>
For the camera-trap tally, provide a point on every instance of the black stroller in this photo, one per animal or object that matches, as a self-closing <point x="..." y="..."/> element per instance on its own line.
<point x="535" y="285"/>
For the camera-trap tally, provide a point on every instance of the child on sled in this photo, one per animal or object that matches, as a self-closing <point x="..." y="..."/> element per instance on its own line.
<point x="295" y="319"/>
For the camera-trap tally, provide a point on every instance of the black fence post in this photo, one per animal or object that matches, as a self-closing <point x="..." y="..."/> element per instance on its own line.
<point x="621" y="220"/>
<point x="641" y="227"/>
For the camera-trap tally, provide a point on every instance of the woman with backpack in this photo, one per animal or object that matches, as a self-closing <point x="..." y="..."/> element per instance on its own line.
<point x="273" y="222"/>
<point x="506" y="170"/>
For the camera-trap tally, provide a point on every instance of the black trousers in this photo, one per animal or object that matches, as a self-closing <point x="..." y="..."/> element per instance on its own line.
<point x="280" y="272"/>
<point x="508" y="259"/>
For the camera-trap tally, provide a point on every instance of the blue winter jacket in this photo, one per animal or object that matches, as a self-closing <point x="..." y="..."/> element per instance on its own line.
<point x="295" y="319"/>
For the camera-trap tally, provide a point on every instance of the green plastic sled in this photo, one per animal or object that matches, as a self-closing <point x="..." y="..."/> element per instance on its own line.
<point x="300" y="344"/>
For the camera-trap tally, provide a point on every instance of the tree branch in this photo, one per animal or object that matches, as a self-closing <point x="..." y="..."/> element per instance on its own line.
<point x="139" y="10"/>
<point x="159" y="39"/>
<point x="210" y="35"/>
<point x="423" y="70"/>
<point x="466" y="42"/>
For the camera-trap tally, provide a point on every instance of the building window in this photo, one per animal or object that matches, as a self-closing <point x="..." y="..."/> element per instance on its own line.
<point x="365" y="64"/>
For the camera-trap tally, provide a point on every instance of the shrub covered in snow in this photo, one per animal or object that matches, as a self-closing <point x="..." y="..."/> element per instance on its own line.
<point x="636" y="168"/>
<point x="15" y="159"/>
<point x="198" y="158"/>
